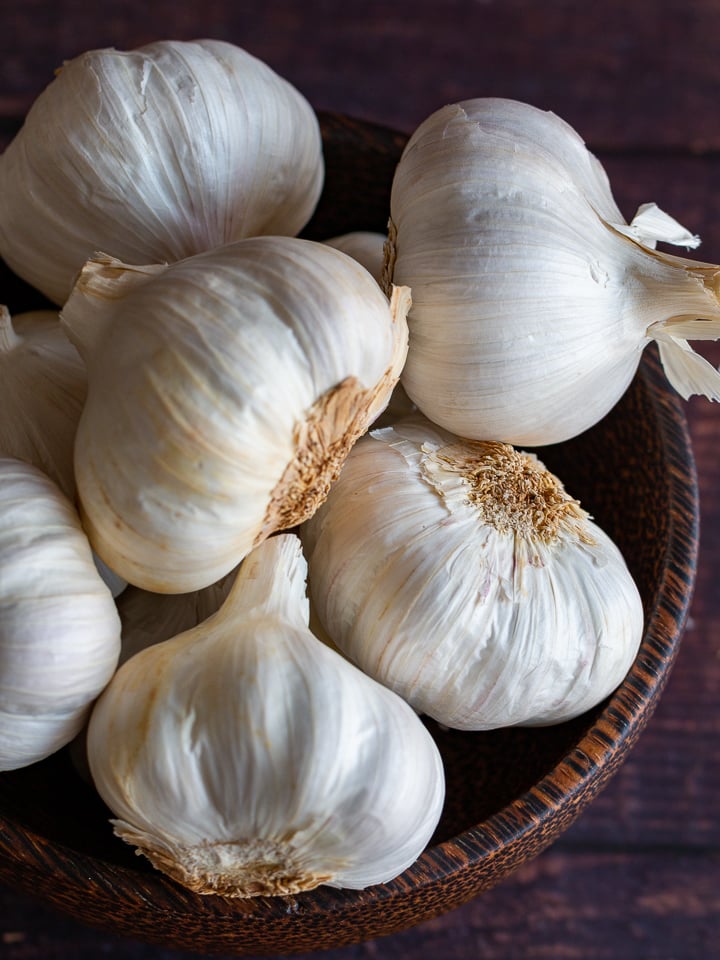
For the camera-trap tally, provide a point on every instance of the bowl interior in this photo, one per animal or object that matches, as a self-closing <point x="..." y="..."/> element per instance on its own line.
<point x="509" y="792"/>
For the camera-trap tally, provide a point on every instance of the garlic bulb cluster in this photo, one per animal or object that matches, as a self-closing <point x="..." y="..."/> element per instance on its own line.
<point x="463" y="576"/>
<point x="43" y="384"/>
<point x="217" y="395"/>
<point x="245" y="758"/>
<point x="224" y="392"/>
<point x="59" y="628"/>
<point x="153" y="155"/>
<point x="533" y="299"/>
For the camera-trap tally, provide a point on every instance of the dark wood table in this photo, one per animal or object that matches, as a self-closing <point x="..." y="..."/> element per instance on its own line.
<point x="638" y="875"/>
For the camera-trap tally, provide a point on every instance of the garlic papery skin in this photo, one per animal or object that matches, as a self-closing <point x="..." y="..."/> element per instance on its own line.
<point x="245" y="758"/>
<point x="532" y="298"/>
<point x="43" y="384"/>
<point x="224" y="393"/>
<point x="463" y="576"/>
<point x="59" y="628"/>
<point x="155" y="154"/>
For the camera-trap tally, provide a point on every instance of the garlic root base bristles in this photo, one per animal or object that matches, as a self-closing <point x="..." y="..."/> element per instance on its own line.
<point x="237" y="869"/>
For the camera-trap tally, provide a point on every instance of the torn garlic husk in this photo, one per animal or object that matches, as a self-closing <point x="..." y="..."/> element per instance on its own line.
<point x="153" y="155"/>
<point x="245" y="758"/>
<point x="533" y="299"/>
<point x="224" y="392"/>
<point x="464" y="577"/>
<point x="43" y="384"/>
<point x="59" y="629"/>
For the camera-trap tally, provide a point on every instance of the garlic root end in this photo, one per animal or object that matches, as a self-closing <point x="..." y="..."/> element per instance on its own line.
<point x="235" y="869"/>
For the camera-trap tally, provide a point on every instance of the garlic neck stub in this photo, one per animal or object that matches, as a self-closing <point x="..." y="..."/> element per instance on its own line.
<point x="225" y="391"/>
<point x="533" y="299"/>
<point x="43" y="383"/>
<point x="59" y="629"/>
<point x="246" y="758"/>
<point x="464" y="577"/>
<point x="155" y="154"/>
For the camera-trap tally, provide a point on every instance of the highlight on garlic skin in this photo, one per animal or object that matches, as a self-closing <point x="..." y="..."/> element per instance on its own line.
<point x="59" y="628"/>
<point x="225" y="391"/>
<point x="153" y="155"/>
<point x="245" y="758"/>
<point x="464" y="577"/>
<point x="533" y="299"/>
<point x="43" y="383"/>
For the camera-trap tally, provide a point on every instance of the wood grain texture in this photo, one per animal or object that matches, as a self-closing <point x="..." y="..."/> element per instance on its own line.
<point x="626" y="74"/>
<point x="637" y="874"/>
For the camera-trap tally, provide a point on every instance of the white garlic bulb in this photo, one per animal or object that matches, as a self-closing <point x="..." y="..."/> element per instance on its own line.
<point x="532" y="298"/>
<point x="59" y="629"/>
<point x="43" y="383"/>
<point x="224" y="393"/>
<point x="463" y="576"/>
<point x="246" y="758"/>
<point x="153" y="155"/>
<point x="148" y="618"/>
<point x="368" y="248"/>
<point x="365" y="246"/>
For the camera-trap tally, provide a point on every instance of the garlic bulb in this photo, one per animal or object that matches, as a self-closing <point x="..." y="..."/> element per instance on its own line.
<point x="153" y="155"/>
<point x="365" y="246"/>
<point x="245" y="758"/>
<point x="224" y="393"/>
<point x="148" y="618"/>
<point x="43" y="384"/>
<point x="532" y="298"/>
<point x="59" y="629"/>
<point x="368" y="248"/>
<point x="463" y="576"/>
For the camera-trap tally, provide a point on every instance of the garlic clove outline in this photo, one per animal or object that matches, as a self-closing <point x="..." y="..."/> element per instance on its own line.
<point x="225" y="391"/>
<point x="463" y="576"/>
<point x="532" y="298"/>
<point x="246" y="758"/>
<point x="155" y="154"/>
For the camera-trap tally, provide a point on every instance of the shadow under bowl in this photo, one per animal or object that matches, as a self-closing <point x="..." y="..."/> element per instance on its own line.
<point x="510" y="792"/>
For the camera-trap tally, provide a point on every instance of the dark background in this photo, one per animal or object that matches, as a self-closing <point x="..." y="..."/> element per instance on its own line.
<point x="638" y="875"/>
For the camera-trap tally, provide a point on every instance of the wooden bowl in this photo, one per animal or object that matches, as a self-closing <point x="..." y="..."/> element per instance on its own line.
<point x="509" y="792"/>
